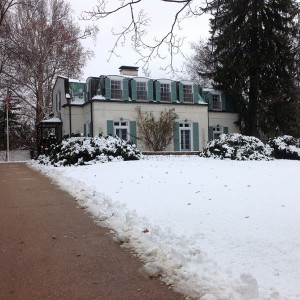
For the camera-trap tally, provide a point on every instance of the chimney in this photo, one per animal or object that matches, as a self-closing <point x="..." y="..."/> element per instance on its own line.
<point x="128" y="70"/>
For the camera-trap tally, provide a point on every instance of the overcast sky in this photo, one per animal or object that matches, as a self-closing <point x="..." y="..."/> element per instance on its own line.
<point x="161" y="14"/>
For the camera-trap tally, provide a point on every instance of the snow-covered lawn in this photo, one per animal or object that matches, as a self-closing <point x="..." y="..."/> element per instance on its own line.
<point x="215" y="229"/>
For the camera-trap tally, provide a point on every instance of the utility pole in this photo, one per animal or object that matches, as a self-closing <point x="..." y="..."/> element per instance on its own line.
<point x="7" y="128"/>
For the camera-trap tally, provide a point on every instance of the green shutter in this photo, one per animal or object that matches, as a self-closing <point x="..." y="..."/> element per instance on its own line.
<point x="176" y="136"/>
<point x="110" y="127"/>
<point x="125" y="89"/>
<point x="132" y="129"/>
<point x="225" y="130"/>
<point x="195" y="93"/>
<point x="102" y="85"/>
<point x="133" y="90"/>
<point x="223" y="99"/>
<point x="210" y="100"/>
<point x="181" y="96"/>
<point x="107" y="88"/>
<point x="157" y="91"/>
<point x="173" y="92"/>
<point x="210" y="133"/>
<point x="195" y="136"/>
<point x="150" y="90"/>
<point x="89" y="97"/>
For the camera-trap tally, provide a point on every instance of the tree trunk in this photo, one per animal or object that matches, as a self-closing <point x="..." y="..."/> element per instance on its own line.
<point x="39" y="104"/>
<point x="253" y="72"/>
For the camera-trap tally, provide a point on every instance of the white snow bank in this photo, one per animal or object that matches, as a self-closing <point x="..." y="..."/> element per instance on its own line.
<point x="213" y="229"/>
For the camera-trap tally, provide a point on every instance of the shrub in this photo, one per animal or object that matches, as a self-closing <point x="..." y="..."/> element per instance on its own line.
<point x="84" y="150"/>
<point x="285" y="147"/>
<point x="237" y="147"/>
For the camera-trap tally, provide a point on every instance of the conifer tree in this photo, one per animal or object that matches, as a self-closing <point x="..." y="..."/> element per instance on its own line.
<point x="254" y="60"/>
<point x="20" y="131"/>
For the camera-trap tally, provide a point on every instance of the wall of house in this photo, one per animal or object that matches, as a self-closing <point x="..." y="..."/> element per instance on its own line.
<point x="58" y="93"/>
<point x="77" y="122"/>
<point x="225" y="120"/>
<point x="104" y="111"/>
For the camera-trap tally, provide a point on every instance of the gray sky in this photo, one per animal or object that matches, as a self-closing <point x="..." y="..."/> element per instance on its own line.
<point x="161" y="14"/>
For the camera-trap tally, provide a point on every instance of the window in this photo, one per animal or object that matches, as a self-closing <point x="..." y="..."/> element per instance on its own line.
<point x="217" y="102"/>
<point x="165" y="94"/>
<point x="141" y="91"/>
<point x="121" y="129"/>
<point x="217" y="131"/>
<point x="187" y="94"/>
<point x="185" y="131"/>
<point x="116" y="89"/>
<point x="58" y="101"/>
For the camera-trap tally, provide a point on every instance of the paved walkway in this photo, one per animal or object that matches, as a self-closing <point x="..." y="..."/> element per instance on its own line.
<point x="51" y="249"/>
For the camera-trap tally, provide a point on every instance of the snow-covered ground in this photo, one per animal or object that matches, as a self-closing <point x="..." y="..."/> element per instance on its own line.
<point x="214" y="229"/>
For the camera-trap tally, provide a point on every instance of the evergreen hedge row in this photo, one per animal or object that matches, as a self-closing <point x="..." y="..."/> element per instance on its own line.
<point x="85" y="150"/>
<point x="239" y="147"/>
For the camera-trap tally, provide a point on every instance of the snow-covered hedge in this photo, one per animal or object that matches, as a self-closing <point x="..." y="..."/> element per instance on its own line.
<point x="85" y="150"/>
<point x="237" y="147"/>
<point x="286" y="147"/>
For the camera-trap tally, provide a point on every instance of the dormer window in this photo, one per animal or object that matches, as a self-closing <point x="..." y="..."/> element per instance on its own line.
<point x="165" y="93"/>
<point x="188" y="93"/>
<point x="116" y="89"/>
<point x="217" y="104"/>
<point x="141" y="90"/>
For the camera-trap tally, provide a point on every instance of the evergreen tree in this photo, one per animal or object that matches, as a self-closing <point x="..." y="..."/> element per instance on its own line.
<point x="254" y="60"/>
<point x="20" y="132"/>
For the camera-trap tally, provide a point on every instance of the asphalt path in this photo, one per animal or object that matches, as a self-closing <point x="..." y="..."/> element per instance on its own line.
<point x="52" y="249"/>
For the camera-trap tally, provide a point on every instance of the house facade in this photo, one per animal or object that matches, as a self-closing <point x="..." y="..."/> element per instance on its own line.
<point x="221" y="113"/>
<point x="107" y="105"/>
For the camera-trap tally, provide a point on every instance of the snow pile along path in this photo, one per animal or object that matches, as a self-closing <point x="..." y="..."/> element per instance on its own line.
<point x="214" y="229"/>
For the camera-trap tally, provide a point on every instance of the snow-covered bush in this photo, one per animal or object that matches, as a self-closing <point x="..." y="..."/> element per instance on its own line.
<point x="285" y="147"/>
<point x="85" y="150"/>
<point x="237" y="147"/>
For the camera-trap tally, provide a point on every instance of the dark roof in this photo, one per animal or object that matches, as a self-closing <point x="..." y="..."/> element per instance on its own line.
<point x="128" y="68"/>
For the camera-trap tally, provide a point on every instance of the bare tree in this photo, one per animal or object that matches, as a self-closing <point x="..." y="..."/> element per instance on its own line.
<point x="136" y="28"/>
<point x="45" y="42"/>
<point x="156" y="134"/>
<point x="5" y="6"/>
<point x="199" y="66"/>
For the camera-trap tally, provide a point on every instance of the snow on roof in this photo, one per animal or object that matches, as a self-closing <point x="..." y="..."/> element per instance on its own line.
<point x="98" y="97"/>
<point x="163" y="80"/>
<point x="52" y="120"/>
<point x="202" y="102"/>
<point x="76" y="80"/>
<point x="77" y="101"/>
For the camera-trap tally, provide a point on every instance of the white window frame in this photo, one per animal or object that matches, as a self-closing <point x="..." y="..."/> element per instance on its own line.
<point x="143" y="91"/>
<point x="118" y="83"/>
<point x="165" y="92"/>
<point x="121" y="124"/>
<point x="217" y="131"/>
<point x="183" y="126"/>
<point x="188" y="96"/>
<point x="216" y="102"/>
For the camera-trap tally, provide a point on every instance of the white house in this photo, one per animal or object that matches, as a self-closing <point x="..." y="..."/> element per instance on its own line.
<point x="107" y="105"/>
